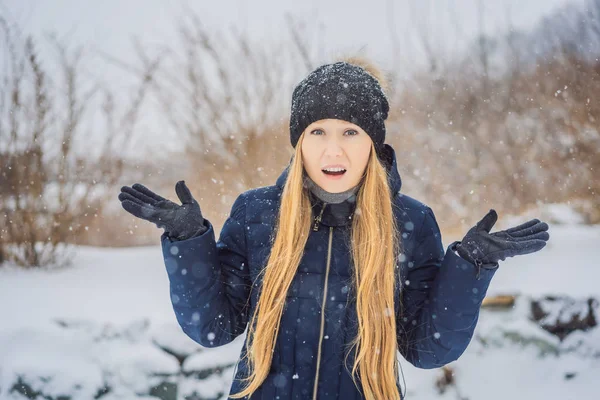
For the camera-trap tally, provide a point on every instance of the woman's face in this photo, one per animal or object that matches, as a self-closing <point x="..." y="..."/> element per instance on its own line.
<point x="335" y="143"/>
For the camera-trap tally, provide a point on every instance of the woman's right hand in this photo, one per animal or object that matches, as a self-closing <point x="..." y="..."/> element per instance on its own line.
<point x="179" y="221"/>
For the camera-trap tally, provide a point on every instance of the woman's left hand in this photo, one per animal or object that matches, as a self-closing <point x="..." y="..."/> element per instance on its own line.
<point x="485" y="249"/>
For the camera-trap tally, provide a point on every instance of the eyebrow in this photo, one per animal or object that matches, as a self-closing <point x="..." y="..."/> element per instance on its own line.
<point x="346" y="127"/>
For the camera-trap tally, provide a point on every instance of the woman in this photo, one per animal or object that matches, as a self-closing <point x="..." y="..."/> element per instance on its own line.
<point x="332" y="258"/>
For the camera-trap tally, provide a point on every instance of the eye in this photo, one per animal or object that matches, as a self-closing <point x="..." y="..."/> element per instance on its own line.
<point x="350" y="132"/>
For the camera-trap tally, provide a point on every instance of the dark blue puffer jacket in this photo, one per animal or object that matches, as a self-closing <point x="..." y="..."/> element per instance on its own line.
<point x="211" y="281"/>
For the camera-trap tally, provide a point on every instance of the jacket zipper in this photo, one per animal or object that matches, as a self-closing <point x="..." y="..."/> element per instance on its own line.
<point x="316" y="385"/>
<point x="318" y="218"/>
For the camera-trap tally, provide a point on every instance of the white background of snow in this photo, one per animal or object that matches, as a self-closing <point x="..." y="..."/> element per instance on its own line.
<point x="110" y="290"/>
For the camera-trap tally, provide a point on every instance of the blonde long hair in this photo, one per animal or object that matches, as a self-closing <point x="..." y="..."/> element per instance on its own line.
<point x="374" y="242"/>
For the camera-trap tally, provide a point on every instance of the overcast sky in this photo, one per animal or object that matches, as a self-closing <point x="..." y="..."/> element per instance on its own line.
<point x="347" y="24"/>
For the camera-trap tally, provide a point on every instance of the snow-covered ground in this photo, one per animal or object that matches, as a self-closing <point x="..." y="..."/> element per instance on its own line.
<point x="107" y="326"/>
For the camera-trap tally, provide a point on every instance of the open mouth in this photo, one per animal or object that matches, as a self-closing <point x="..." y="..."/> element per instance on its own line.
<point x="334" y="172"/>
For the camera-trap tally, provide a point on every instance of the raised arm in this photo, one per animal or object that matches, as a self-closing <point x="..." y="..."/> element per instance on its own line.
<point x="209" y="280"/>
<point x="441" y="299"/>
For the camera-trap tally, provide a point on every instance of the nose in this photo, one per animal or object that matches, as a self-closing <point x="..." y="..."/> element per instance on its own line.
<point x="333" y="148"/>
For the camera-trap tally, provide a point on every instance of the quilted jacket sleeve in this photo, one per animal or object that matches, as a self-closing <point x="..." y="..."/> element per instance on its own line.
<point x="440" y="302"/>
<point x="209" y="280"/>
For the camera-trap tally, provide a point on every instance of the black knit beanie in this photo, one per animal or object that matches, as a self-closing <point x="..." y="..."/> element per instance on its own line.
<point x="340" y="91"/>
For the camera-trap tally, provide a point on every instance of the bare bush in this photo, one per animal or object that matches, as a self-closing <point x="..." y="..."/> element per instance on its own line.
<point x="50" y="188"/>
<point x="226" y="102"/>
<point x="508" y="138"/>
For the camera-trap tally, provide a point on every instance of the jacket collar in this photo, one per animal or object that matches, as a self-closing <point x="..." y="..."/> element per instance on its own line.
<point x="339" y="214"/>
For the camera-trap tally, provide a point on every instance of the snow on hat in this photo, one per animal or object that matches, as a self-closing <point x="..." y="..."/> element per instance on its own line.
<point x="341" y="91"/>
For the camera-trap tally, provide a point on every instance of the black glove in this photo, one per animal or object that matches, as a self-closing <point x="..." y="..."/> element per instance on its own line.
<point x="485" y="249"/>
<point x="179" y="221"/>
